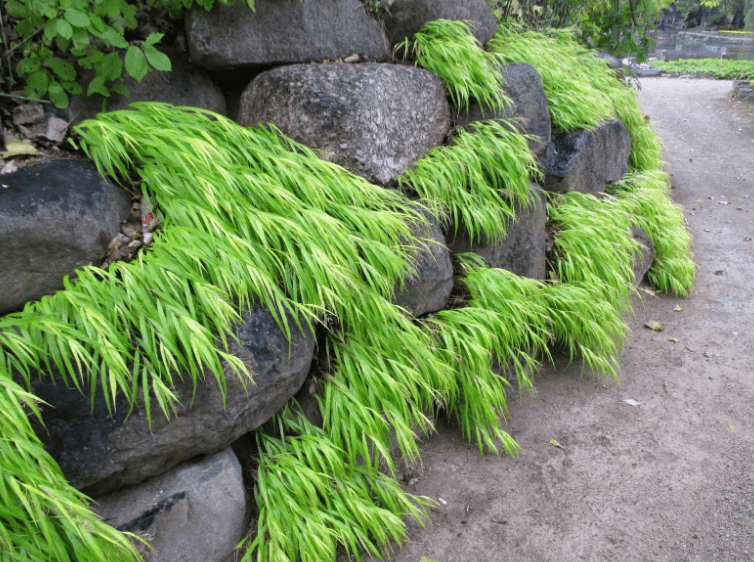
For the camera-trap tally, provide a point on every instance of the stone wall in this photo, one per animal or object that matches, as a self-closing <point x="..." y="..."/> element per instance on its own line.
<point x="321" y="71"/>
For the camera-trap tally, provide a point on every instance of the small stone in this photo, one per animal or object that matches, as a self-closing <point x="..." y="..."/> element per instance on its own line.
<point x="56" y="129"/>
<point x="147" y="238"/>
<point x="9" y="168"/>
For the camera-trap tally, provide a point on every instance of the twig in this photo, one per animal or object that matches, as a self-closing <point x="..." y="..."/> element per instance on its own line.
<point x="15" y="96"/>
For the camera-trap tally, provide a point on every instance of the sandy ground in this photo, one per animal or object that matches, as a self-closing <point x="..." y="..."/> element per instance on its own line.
<point x="672" y="478"/>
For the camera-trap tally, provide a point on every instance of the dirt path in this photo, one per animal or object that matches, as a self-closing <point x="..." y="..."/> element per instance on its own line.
<point x="673" y="478"/>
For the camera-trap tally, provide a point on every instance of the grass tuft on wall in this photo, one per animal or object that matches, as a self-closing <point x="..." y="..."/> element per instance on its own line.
<point x="581" y="90"/>
<point x="449" y="49"/>
<point x="479" y="182"/>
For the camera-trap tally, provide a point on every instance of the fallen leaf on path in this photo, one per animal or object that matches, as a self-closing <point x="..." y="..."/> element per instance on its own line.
<point x="671" y="338"/>
<point x="719" y="272"/>
<point x="678" y="308"/>
<point x="630" y="401"/>
<point x="730" y="426"/>
<point x="747" y="239"/>
<point x="654" y="326"/>
<point x="555" y="443"/>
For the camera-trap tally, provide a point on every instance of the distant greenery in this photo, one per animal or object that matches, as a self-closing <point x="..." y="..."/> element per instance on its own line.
<point x="620" y="27"/>
<point x="719" y="68"/>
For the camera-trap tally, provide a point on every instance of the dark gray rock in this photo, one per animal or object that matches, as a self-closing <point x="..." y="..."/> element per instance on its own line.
<point x="586" y="160"/>
<point x="406" y="17"/>
<point x="428" y="290"/>
<point x="54" y="218"/>
<point x="195" y="511"/>
<point x="522" y="251"/>
<point x="530" y="111"/>
<point x="99" y="453"/>
<point x="282" y="32"/>
<point x="642" y="261"/>
<point x="373" y="119"/>
<point x="185" y="84"/>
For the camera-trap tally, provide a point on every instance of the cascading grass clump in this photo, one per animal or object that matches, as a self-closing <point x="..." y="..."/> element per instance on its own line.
<point x="478" y="182"/>
<point x="645" y="196"/>
<point x="574" y="104"/>
<point x="449" y="49"/>
<point x="580" y="88"/>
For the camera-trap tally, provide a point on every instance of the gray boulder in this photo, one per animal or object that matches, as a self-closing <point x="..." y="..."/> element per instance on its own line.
<point x="406" y="17"/>
<point x="428" y="289"/>
<point x="373" y="119"/>
<point x="282" y="32"/>
<point x="530" y="112"/>
<point x="522" y="251"/>
<point x="586" y="160"/>
<point x="99" y="453"/>
<point x="644" y="259"/>
<point x="54" y="218"/>
<point x="196" y="511"/>
<point x="185" y="84"/>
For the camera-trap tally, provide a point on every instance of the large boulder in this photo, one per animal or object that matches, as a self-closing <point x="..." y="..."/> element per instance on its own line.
<point x="428" y="289"/>
<point x="373" y="119"/>
<point x="196" y="511"/>
<point x="530" y="113"/>
<point x="54" y="218"/>
<point x="586" y="160"/>
<point x="406" y="17"/>
<point x="99" y="453"/>
<point x="185" y="84"/>
<point x="522" y="251"/>
<point x="282" y="32"/>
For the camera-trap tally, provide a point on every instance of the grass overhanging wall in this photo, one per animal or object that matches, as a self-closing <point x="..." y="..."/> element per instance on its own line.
<point x="252" y="217"/>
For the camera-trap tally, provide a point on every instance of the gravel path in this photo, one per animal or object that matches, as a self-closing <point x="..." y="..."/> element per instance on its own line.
<point x="673" y="478"/>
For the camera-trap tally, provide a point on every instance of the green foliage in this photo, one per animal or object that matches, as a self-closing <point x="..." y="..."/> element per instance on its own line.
<point x="573" y="103"/>
<point x="312" y="498"/>
<point x="41" y="516"/>
<point x="719" y="68"/>
<point x="479" y="181"/>
<point x="56" y="36"/>
<point x="646" y="197"/>
<point x="620" y="27"/>
<point x="581" y="89"/>
<point x="448" y="49"/>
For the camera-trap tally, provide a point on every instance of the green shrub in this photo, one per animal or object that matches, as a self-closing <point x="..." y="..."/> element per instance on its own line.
<point x="56" y="36"/>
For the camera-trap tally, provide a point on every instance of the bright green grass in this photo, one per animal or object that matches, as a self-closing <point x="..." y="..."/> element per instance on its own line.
<point x="719" y="68"/>
<point x="251" y="217"/>
<point x="580" y="88"/>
